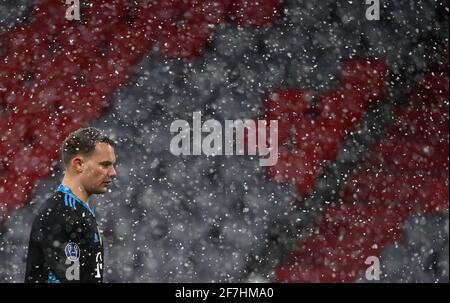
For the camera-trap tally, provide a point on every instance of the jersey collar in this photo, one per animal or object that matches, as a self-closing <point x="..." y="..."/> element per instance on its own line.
<point x="64" y="189"/>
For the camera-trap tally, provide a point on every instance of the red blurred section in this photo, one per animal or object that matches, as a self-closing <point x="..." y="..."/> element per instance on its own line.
<point x="255" y="13"/>
<point x="312" y="129"/>
<point x="191" y="24"/>
<point x="406" y="173"/>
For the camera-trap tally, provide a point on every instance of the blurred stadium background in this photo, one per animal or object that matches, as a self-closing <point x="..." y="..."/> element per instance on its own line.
<point x="363" y="109"/>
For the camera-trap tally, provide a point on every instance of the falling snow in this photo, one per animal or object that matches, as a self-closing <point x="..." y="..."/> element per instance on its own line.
<point x="173" y="218"/>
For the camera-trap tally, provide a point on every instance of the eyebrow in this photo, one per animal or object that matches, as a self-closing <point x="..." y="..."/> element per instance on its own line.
<point x="107" y="163"/>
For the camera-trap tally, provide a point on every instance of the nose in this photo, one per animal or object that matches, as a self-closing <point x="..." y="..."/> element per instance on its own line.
<point x="112" y="172"/>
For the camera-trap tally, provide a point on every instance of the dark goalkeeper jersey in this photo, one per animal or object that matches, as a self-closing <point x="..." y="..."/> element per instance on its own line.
<point x="65" y="243"/>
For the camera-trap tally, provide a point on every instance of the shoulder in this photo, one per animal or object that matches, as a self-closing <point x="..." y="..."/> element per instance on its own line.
<point x="56" y="209"/>
<point x="54" y="220"/>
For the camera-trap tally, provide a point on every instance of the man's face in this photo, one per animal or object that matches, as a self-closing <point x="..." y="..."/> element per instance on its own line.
<point x="98" y="170"/>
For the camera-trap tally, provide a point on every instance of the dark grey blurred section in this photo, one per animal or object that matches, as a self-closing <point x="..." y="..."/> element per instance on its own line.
<point x="15" y="12"/>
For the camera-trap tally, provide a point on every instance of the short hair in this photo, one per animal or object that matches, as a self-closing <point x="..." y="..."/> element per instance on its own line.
<point x="83" y="141"/>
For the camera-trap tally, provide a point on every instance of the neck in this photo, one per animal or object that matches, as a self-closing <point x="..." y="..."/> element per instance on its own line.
<point x="76" y="188"/>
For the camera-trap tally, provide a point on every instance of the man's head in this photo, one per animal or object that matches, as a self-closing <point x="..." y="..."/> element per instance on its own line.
<point x="89" y="158"/>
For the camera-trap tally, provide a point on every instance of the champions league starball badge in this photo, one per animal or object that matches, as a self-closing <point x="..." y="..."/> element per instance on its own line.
<point x="72" y="251"/>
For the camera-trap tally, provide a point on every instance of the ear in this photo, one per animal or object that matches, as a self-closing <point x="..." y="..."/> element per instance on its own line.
<point x="78" y="164"/>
